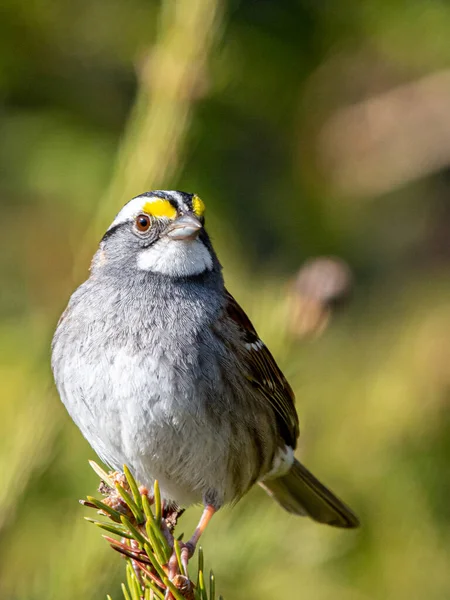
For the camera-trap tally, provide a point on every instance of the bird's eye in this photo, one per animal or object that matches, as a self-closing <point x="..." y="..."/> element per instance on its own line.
<point x="143" y="223"/>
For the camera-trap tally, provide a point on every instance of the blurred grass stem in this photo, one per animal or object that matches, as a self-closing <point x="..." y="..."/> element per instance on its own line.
<point x="172" y="76"/>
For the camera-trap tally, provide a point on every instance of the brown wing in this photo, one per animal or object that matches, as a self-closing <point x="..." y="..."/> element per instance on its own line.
<point x="265" y="375"/>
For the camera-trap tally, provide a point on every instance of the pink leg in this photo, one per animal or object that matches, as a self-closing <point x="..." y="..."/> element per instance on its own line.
<point x="188" y="549"/>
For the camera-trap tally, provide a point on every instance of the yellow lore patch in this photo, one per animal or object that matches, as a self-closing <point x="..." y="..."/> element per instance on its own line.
<point x="159" y="208"/>
<point x="198" y="206"/>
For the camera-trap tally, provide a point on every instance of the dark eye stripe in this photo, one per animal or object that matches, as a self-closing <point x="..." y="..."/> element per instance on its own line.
<point x="111" y="231"/>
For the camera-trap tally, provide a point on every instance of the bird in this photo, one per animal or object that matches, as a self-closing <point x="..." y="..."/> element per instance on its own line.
<point x="162" y="370"/>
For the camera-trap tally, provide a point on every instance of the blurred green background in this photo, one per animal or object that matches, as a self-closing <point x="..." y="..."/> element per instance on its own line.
<point x="310" y="128"/>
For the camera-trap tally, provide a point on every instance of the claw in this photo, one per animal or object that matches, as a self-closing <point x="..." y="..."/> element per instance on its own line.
<point x="186" y="552"/>
<point x="172" y="566"/>
<point x="187" y="549"/>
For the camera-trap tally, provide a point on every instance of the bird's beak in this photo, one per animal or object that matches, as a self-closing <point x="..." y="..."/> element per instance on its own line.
<point x="186" y="227"/>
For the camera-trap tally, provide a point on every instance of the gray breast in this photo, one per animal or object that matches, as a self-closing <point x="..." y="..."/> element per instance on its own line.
<point x="149" y="383"/>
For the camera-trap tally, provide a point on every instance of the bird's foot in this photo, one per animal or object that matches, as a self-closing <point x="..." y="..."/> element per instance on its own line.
<point x="187" y="549"/>
<point x="186" y="552"/>
<point x="184" y="585"/>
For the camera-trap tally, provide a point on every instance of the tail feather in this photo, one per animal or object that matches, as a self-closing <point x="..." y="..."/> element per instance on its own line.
<point x="299" y="492"/>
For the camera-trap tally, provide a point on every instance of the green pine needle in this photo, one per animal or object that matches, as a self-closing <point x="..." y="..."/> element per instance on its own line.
<point x="149" y="550"/>
<point x="158" y="506"/>
<point x="113" y="514"/>
<point x="200" y="565"/>
<point x="157" y="564"/>
<point x="201" y="586"/>
<point x="130" y="581"/>
<point x="155" y="544"/>
<point x="175" y="592"/>
<point x="133" y="487"/>
<point x="133" y="583"/>
<point x="147" y="508"/>
<point x="120" y="531"/>
<point x="135" y="533"/>
<point x="102" y="474"/>
<point x="137" y="512"/>
<point x="125" y="593"/>
<point x="212" y="586"/>
<point x="152" y="525"/>
<point x="166" y="551"/>
<point x="178" y="554"/>
<point x="155" y="590"/>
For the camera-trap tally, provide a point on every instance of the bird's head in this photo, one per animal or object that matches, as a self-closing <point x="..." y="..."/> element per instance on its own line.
<point x="161" y="232"/>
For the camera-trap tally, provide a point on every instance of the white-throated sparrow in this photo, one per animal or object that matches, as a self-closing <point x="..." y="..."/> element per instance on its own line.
<point x="162" y="370"/>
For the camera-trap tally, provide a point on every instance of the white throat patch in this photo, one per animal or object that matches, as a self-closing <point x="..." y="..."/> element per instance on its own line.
<point x="176" y="258"/>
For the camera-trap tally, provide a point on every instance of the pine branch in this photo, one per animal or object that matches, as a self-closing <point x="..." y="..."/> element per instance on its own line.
<point x="144" y="535"/>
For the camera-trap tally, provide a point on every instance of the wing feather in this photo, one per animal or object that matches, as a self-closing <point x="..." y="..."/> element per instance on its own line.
<point x="265" y="375"/>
